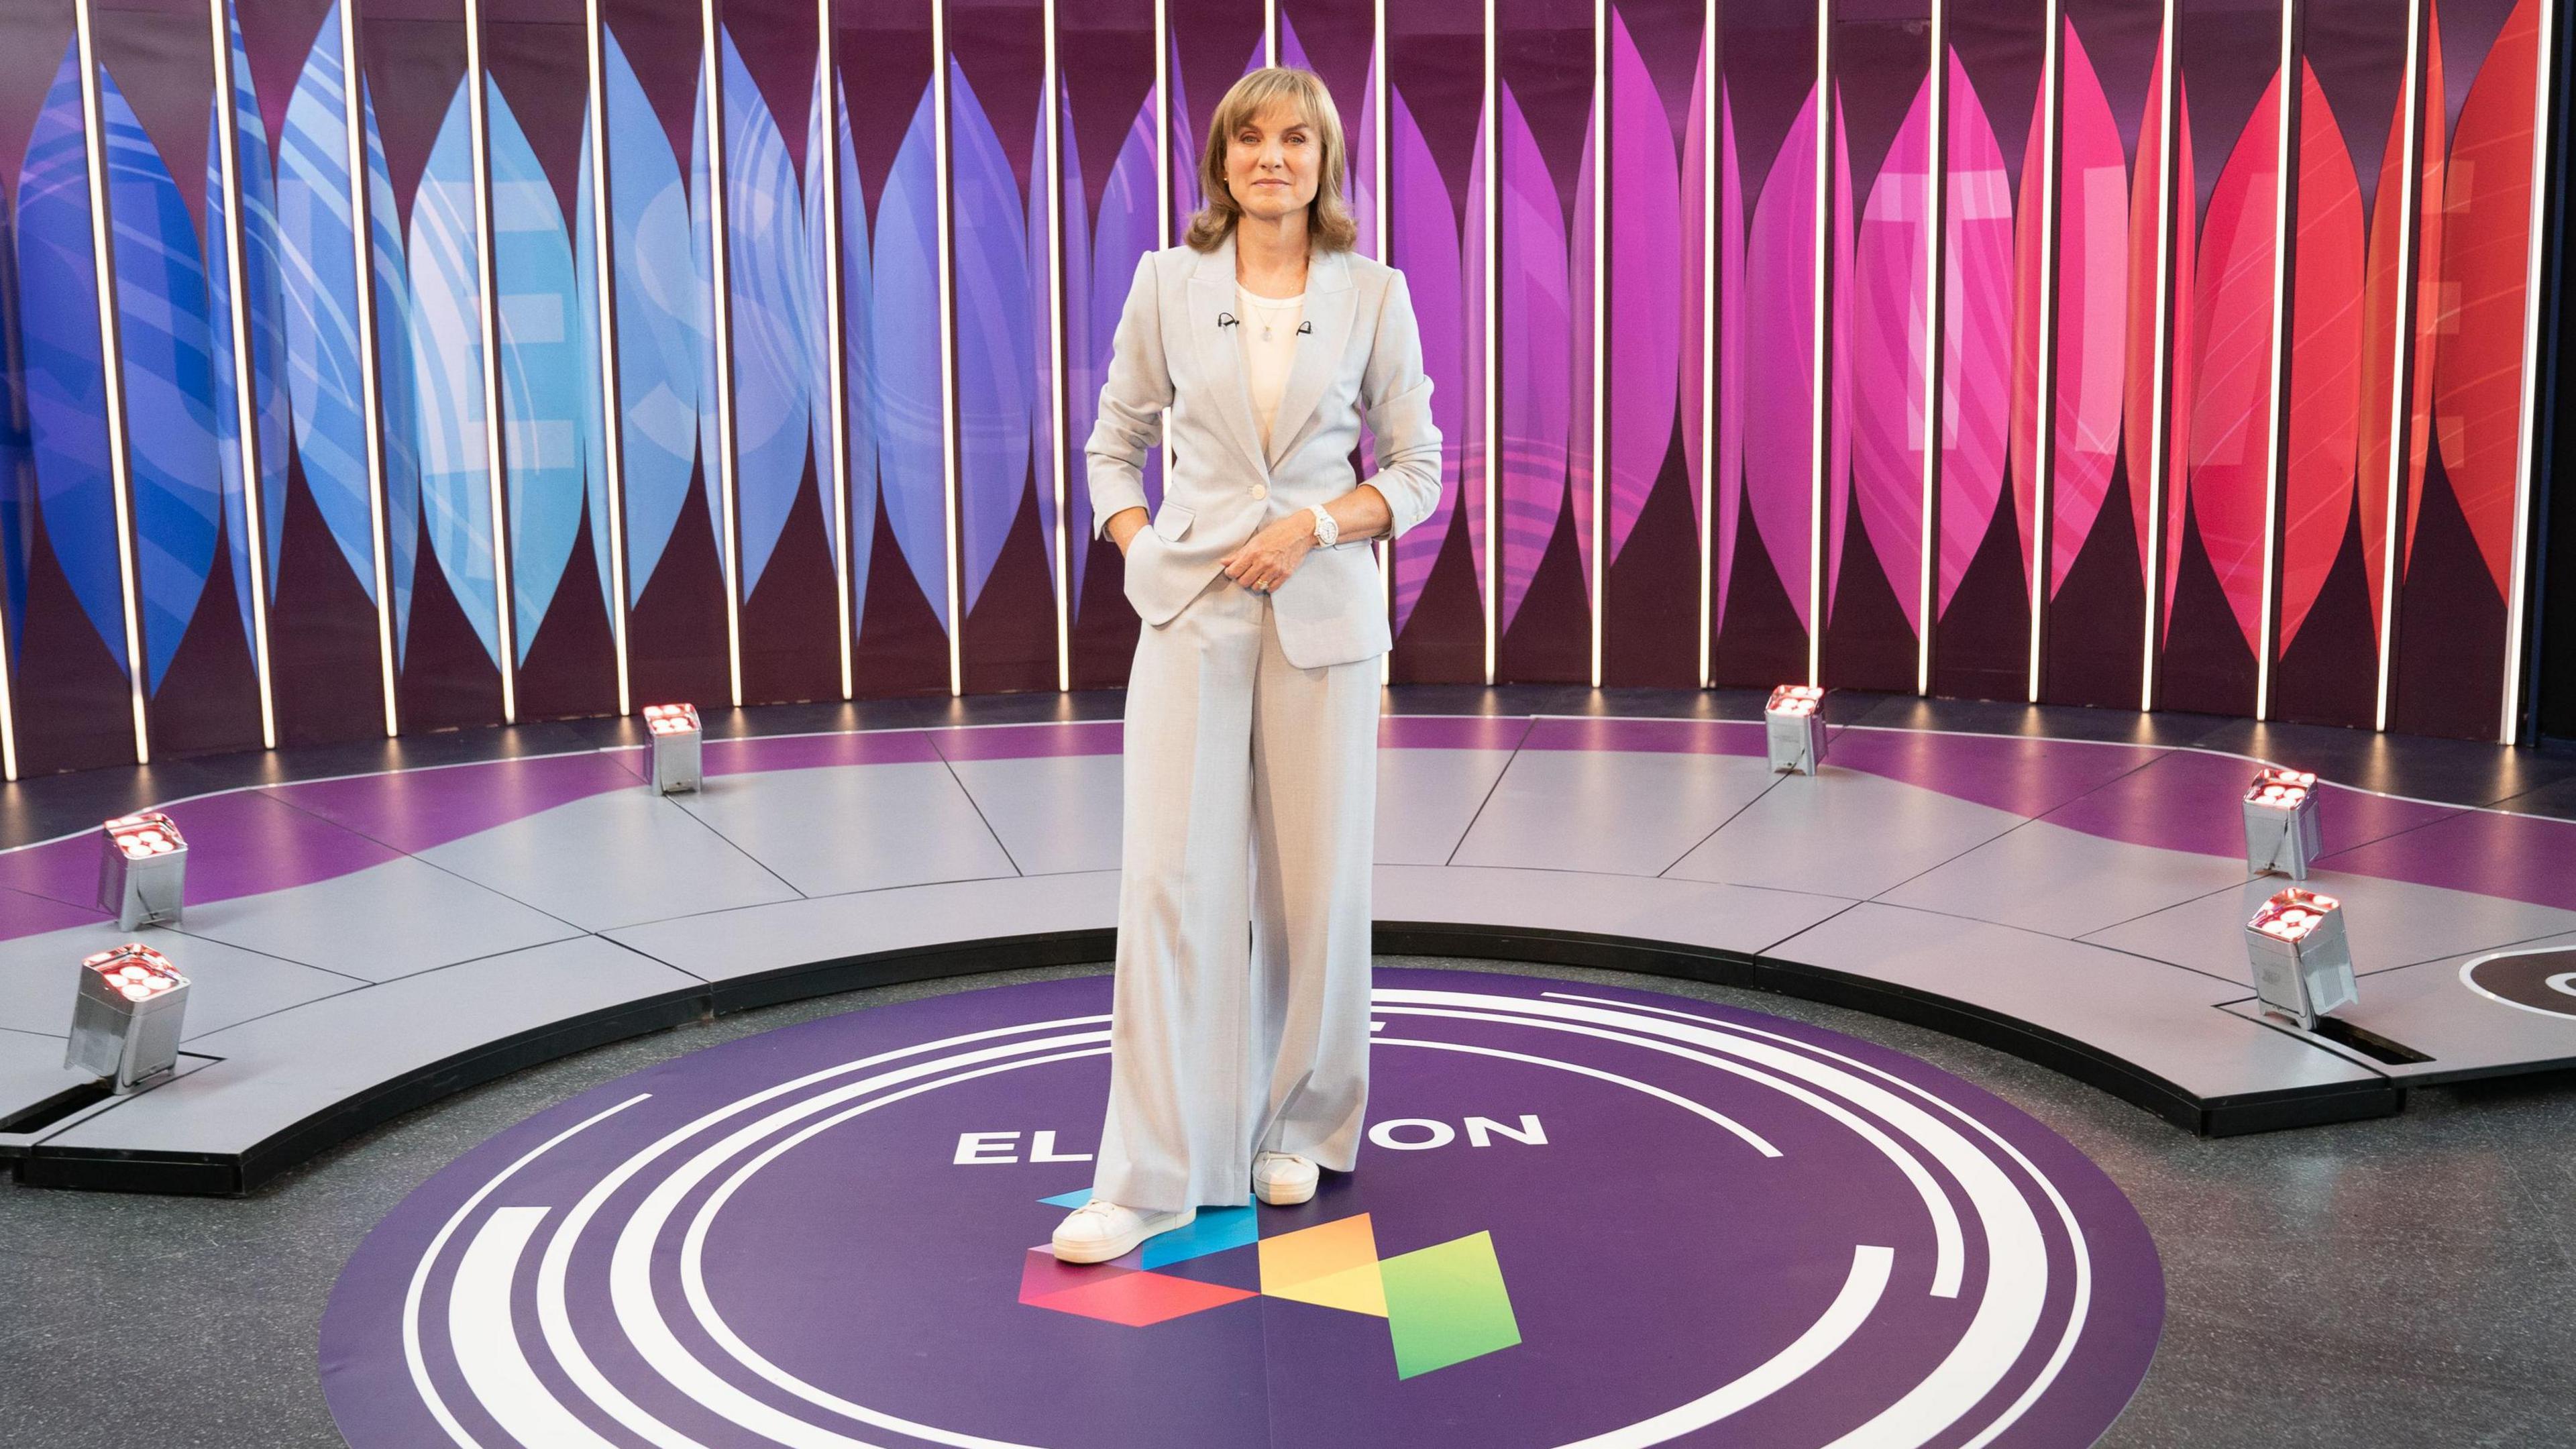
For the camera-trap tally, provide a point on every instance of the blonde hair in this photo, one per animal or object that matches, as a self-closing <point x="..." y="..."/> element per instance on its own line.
<point x="1328" y="220"/>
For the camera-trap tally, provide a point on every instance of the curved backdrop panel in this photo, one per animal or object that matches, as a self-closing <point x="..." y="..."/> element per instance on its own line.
<point x="389" y="365"/>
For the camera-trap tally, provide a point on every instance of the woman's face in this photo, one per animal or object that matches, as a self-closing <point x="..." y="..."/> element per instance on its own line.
<point x="1273" y="162"/>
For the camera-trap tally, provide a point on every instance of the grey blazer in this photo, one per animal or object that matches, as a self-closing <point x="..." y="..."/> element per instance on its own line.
<point x="1362" y="362"/>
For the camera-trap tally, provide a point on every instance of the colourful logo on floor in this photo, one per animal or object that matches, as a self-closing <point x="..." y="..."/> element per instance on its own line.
<point x="1443" y="1305"/>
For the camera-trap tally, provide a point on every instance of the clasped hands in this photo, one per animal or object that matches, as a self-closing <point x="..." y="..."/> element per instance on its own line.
<point x="1265" y="560"/>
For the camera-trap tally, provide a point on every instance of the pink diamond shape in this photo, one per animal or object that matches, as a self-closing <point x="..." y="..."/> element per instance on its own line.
<point x="1117" y="1294"/>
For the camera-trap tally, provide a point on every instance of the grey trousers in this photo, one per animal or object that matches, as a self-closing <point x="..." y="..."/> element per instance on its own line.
<point x="1250" y="799"/>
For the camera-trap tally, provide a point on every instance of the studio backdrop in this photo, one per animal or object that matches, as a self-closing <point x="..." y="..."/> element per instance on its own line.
<point x="390" y="365"/>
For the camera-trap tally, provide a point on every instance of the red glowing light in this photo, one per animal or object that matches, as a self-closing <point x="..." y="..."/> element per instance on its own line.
<point x="2280" y="788"/>
<point x="142" y="836"/>
<point x="671" y="719"/>
<point x="2294" y="914"/>
<point x="1795" y="699"/>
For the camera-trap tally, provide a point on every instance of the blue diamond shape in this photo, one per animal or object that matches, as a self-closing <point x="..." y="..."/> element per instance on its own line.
<point x="1214" y="1231"/>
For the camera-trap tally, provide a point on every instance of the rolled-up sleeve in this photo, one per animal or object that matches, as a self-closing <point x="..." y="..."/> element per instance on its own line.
<point x="1396" y="394"/>
<point x="1132" y="399"/>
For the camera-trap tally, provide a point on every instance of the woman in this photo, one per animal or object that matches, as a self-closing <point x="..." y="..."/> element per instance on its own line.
<point x="1251" y="767"/>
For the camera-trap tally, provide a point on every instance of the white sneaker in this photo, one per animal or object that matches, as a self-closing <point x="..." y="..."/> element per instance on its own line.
<point x="1282" y="1179"/>
<point x="1098" y="1231"/>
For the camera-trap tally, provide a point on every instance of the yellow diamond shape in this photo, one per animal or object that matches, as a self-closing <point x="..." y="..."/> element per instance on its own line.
<point x="1333" y="1264"/>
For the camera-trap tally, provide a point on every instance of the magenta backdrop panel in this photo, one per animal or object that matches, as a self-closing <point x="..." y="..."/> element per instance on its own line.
<point x="1436" y="208"/>
<point x="1213" y="42"/>
<point x="429" y="361"/>
<point x="1990" y="381"/>
<point x="1881" y="342"/>
<point x="545" y="270"/>
<point x="997" y="186"/>
<point x="299" y="261"/>
<point x="64" y="604"/>
<point x="1655" y="362"/>
<point x="1105" y="59"/>
<point x="1543" y="310"/>
<point x="890" y="344"/>
<point x="1768" y="217"/>
<point x="2349" y="161"/>
<point x="2214" y="538"/>
<point x="2458" y="531"/>
<point x="2109" y="329"/>
<point x="1335" y="39"/>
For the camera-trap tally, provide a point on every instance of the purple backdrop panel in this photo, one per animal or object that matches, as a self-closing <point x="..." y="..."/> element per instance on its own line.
<point x="1105" y="56"/>
<point x="1335" y="40"/>
<point x="1213" y="43"/>
<point x="545" y="272"/>
<point x="429" y="336"/>
<point x="1655" y="354"/>
<point x="1990" y="367"/>
<point x="998" y="198"/>
<point x="774" y="114"/>
<point x="2456" y="566"/>
<point x="1766" y="543"/>
<point x="1436" y="208"/>
<point x="2342" y="348"/>
<point x="2109" y="326"/>
<point x="156" y="98"/>
<point x="318" y="496"/>
<point x="1882" y="345"/>
<point x="2214" y="533"/>
<point x="890" y="344"/>
<point x="662" y="295"/>
<point x="1543" y="308"/>
<point x="63" y="606"/>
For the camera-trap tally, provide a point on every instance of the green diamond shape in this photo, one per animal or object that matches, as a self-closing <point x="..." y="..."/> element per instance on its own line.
<point x="1446" y="1304"/>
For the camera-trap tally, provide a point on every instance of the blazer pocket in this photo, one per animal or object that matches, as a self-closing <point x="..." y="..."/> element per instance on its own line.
<point x="1173" y="522"/>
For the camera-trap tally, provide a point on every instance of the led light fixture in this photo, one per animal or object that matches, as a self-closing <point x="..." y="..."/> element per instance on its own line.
<point x="142" y="870"/>
<point x="125" y="1021"/>
<point x="1795" y="722"/>
<point x="676" y="737"/>
<point x="2281" y="822"/>
<point x="2302" y="963"/>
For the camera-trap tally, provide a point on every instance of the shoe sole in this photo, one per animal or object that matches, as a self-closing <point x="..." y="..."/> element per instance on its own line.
<point x="1102" y="1252"/>
<point x="1283" y="1195"/>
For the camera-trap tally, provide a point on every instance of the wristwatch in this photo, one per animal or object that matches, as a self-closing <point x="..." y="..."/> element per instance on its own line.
<point x="1326" y="530"/>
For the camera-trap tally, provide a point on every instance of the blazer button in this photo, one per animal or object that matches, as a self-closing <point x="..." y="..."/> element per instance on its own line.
<point x="1260" y="490"/>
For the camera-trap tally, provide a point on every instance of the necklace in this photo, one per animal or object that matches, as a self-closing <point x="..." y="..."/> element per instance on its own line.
<point x="1266" y="314"/>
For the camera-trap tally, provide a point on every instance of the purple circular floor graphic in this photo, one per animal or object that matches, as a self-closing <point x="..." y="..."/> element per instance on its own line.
<point x="1584" y="1216"/>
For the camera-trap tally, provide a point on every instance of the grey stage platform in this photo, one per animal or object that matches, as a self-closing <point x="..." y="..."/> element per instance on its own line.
<point x="364" y="944"/>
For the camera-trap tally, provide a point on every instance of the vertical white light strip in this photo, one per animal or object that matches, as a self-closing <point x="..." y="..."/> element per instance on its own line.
<point x="1936" y="157"/>
<point x="2282" y="199"/>
<point x="720" y="290"/>
<point x="478" y="121"/>
<point x="362" y="231"/>
<point x="2509" y="729"/>
<point x="245" y="374"/>
<point x="947" y="348"/>
<point x="1710" y="215"/>
<point x="836" y="369"/>
<point x="2401" y="385"/>
<point x="8" y="716"/>
<point x="1600" y="326"/>
<point x="1492" y="441"/>
<point x="612" y="411"/>
<point x="1050" y="97"/>
<point x="2160" y="406"/>
<point x="1385" y="253"/>
<point x="2043" y="453"/>
<point x="1162" y="171"/>
<point x="1823" y="338"/>
<point x="1269" y="32"/>
<point x="112" y="372"/>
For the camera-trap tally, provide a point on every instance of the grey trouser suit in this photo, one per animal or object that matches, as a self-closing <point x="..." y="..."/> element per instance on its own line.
<point x="1251" y="734"/>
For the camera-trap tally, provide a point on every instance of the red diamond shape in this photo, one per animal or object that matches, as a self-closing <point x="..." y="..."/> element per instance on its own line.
<point x="1116" y="1294"/>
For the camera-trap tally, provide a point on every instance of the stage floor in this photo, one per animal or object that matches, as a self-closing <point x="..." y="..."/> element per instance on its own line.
<point x="361" y="943"/>
<point x="2401" y="1281"/>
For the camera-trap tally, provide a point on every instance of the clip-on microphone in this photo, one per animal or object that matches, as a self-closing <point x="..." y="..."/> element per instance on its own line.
<point x="1224" y="320"/>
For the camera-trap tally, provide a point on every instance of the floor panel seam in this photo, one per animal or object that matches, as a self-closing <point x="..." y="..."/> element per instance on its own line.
<point x="1528" y="723"/>
<point x="977" y="806"/>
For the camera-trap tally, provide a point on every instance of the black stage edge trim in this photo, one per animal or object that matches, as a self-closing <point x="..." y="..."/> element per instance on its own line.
<point x="228" y="1174"/>
<point x="2229" y="1116"/>
<point x="237" y="1174"/>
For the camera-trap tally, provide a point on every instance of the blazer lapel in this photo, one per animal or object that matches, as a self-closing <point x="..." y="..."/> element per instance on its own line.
<point x="1220" y="349"/>
<point x="1319" y="353"/>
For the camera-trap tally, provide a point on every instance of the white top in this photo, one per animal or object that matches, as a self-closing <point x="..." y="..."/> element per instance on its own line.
<point x="1266" y="357"/>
